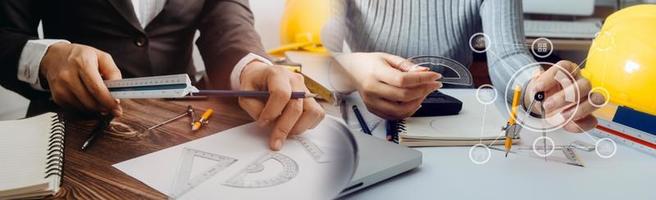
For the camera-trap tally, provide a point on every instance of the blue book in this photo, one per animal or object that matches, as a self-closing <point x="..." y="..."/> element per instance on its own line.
<point x="635" y="119"/>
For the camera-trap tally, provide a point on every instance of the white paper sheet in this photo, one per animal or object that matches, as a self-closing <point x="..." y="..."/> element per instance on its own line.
<point x="247" y="143"/>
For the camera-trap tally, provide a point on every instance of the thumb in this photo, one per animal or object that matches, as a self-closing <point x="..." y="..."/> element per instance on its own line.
<point x="106" y="66"/>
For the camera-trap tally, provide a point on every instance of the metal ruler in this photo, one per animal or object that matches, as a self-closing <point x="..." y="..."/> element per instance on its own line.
<point x="251" y="177"/>
<point x="184" y="182"/>
<point x="169" y="86"/>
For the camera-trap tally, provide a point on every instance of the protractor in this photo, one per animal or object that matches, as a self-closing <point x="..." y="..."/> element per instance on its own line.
<point x="314" y="150"/>
<point x="271" y="169"/>
<point x="453" y="72"/>
<point x="184" y="182"/>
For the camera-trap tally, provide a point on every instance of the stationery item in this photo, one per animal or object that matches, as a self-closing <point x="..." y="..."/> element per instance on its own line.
<point x="323" y="74"/>
<point x="363" y="124"/>
<point x="238" y="164"/>
<point x="512" y="129"/>
<point x="98" y="131"/>
<point x="392" y="129"/>
<point x="453" y="72"/>
<point x="438" y="104"/>
<point x="32" y="156"/>
<point x="168" y="86"/>
<point x="262" y="94"/>
<point x="476" y="123"/>
<point x="615" y="123"/>
<point x="204" y="119"/>
<point x="175" y="86"/>
<point x="189" y="112"/>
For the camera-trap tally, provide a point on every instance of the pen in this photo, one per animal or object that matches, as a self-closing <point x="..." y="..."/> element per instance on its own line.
<point x="363" y="123"/>
<point x="204" y="119"/>
<point x="510" y="128"/>
<point x="236" y="93"/>
<point x="98" y="131"/>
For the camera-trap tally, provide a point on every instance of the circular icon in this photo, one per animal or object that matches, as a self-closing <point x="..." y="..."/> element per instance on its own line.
<point x="603" y="92"/>
<point x="486" y="94"/>
<point x="479" y="154"/>
<point x="553" y="122"/>
<point x="605" y="148"/>
<point x="543" y="151"/>
<point x="479" y="42"/>
<point x="542" y="47"/>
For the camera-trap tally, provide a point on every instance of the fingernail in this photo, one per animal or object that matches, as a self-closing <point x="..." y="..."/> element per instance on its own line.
<point x="277" y="145"/>
<point x="118" y="101"/>
<point x="438" y="77"/>
<point x="103" y="113"/>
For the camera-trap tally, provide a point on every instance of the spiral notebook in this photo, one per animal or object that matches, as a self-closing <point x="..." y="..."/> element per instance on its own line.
<point x="31" y="153"/>
<point x="476" y="123"/>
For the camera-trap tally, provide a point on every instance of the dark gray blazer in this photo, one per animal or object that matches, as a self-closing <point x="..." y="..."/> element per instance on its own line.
<point x="163" y="47"/>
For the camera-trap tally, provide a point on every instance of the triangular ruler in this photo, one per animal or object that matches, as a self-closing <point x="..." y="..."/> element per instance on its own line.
<point x="184" y="182"/>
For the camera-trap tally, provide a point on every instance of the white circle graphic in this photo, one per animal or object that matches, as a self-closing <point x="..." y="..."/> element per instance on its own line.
<point x="550" y="143"/>
<point x="479" y="39"/>
<point x="605" y="148"/>
<point x="486" y="94"/>
<point x="541" y="42"/>
<point x="479" y="154"/>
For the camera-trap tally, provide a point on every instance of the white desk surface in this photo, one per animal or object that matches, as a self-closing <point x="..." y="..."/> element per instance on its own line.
<point x="448" y="173"/>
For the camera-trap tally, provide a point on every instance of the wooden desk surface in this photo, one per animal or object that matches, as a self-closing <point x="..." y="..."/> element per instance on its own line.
<point x="90" y="175"/>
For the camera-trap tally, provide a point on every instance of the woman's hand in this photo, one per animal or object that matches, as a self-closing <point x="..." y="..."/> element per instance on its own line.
<point x="388" y="89"/>
<point x="555" y="102"/>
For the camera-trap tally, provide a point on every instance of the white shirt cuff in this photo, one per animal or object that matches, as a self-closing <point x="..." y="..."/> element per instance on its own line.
<point x="235" y="76"/>
<point x="30" y="60"/>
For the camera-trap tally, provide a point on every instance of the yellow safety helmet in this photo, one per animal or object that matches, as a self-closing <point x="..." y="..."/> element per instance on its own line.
<point x="301" y="25"/>
<point x="622" y="59"/>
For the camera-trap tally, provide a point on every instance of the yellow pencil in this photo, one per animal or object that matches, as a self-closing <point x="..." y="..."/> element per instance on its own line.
<point x="511" y="122"/>
<point x="204" y="119"/>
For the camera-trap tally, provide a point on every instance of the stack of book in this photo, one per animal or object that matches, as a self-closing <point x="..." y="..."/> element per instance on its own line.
<point x="628" y="127"/>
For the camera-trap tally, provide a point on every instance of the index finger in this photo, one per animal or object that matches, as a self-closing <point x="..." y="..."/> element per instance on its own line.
<point x="280" y="92"/>
<point x="551" y="77"/>
<point x="94" y="83"/>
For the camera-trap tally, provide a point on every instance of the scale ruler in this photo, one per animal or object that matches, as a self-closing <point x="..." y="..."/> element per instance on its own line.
<point x="184" y="182"/>
<point x="169" y="86"/>
<point x="627" y="136"/>
<point x="246" y="179"/>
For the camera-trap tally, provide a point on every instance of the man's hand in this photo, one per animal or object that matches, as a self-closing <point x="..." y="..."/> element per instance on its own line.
<point x="287" y="116"/>
<point x="75" y="76"/>
<point x="555" y="102"/>
<point x="388" y="88"/>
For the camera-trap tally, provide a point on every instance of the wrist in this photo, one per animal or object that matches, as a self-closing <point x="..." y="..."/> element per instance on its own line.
<point x="254" y="67"/>
<point x="53" y="54"/>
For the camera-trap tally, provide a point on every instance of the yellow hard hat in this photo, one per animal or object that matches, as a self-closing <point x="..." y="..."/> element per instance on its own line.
<point x="301" y="25"/>
<point x="622" y="59"/>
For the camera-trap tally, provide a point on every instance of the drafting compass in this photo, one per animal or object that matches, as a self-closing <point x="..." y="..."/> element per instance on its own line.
<point x="184" y="182"/>
<point x="261" y="173"/>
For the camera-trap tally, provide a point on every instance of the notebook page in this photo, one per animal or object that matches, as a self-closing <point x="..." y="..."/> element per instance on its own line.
<point x="23" y="150"/>
<point x="469" y="124"/>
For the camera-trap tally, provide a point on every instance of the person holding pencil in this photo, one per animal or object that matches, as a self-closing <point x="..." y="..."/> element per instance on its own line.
<point x="86" y="43"/>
